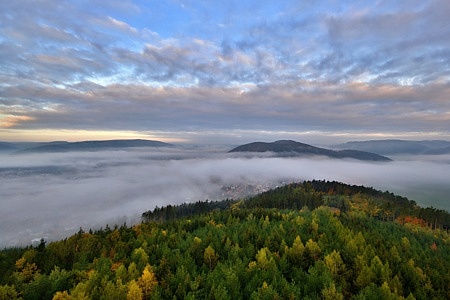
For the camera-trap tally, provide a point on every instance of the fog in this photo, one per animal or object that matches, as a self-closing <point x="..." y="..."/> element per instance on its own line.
<point x="52" y="195"/>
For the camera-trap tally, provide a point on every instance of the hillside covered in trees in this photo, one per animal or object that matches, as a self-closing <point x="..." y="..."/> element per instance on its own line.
<point x="310" y="240"/>
<point x="293" y="148"/>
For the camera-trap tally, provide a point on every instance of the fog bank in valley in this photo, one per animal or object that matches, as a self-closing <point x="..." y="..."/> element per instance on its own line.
<point x="53" y="195"/>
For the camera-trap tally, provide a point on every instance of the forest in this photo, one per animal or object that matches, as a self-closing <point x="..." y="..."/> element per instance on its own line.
<point x="306" y="240"/>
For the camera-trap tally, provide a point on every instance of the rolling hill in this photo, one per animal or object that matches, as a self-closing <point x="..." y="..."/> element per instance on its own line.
<point x="395" y="147"/>
<point x="293" y="148"/>
<point x="7" y="147"/>
<point x="93" y="145"/>
<point x="439" y="151"/>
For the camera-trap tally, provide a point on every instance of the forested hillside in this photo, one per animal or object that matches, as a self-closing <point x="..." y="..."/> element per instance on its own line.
<point x="311" y="240"/>
<point x="293" y="148"/>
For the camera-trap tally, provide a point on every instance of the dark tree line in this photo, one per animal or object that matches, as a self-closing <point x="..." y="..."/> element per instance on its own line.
<point x="313" y="194"/>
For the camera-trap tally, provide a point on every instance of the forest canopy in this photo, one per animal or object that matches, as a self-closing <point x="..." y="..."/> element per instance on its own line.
<point x="309" y="240"/>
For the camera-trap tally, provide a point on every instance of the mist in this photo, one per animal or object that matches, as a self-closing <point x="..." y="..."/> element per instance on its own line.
<point x="52" y="196"/>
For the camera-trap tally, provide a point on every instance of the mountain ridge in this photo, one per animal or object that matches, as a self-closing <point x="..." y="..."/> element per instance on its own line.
<point x="63" y="146"/>
<point x="394" y="146"/>
<point x="7" y="147"/>
<point x="293" y="148"/>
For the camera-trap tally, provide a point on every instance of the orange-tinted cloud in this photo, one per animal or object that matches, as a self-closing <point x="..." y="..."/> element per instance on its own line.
<point x="10" y="121"/>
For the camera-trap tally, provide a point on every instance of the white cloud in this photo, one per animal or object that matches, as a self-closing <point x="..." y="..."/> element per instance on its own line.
<point x="122" y="25"/>
<point x="52" y="195"/>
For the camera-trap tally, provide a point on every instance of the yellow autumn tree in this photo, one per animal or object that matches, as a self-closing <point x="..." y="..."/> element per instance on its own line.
<point x="334" y="263"/>
<point x="210" y="257"/>
<point x="262" y="259"/>
<point x="147" y="282"/>
<point x="61" y="296"/>
<point x="312" y="249"/>
<point x="134" y="291"/>
<point x="26" y="270"/>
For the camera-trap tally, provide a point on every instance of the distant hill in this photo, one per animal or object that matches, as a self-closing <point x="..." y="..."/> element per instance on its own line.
<point x="93" y="145"/>
<point x="293" y="148"/>
<point x="392" y="147"/>
<point x="445" y="150"/>
<point x="7" y="147"/>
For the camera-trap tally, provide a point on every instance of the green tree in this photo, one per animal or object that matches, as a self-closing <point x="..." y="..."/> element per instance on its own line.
<point x="140" y="258"/>
<point x="80" y="292"/>
<point x="121" y="273"/>
<point x="219" y="292"/>
<point x="133" y="272"/>
<point x="8" y="293"/>
<point x="266" y="292"/>
<point x="381" y="273"/>
<point x="365" y="275"/>
<point x="296" y="252"/>
<point x="334" y="263"/>
<point x="317" y="279"/>
<point x="331" y="293"/>
<point x="312" y="249"/>
<point x="113" y="291"/>
<point x="406" y="245"/>
<point x="60" y="280"/>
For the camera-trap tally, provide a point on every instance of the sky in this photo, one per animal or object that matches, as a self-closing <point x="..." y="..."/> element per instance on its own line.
<point x="224" y="71"/>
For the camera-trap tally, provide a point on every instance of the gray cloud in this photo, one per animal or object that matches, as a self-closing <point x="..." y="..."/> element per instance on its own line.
<point x="377" y="68"/>
<point x="404" y="44"/>
<point x="301" y="106"/>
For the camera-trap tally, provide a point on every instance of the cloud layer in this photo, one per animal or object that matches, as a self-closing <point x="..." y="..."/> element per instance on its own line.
<point x="180" y="66"/>
<point x="53" y="195"/>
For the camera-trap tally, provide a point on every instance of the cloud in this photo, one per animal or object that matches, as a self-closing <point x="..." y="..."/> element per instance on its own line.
<point x="298" y="42"/>
<point x="378" y="67"/>
<point x="398" y="46"/>
<point x="300" y="106"/>
<point x="11" y="121"/>
<point x="121" y="25"/>
<point x="53" y="195"/>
